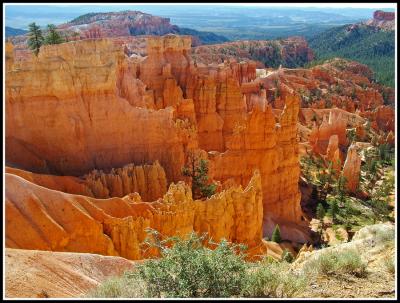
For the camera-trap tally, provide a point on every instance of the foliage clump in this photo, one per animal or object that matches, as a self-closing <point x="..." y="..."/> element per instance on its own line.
<point x="197" y="170"/>
<point x="320" y="211"/>
<point x="371" y="202"/>
<point x="191" y="270"/>
<point x="53" y="37"/>
<point x="287" y="256"/>
<point x="276" y="235"/>
<point x="187" y="268"/>
<point x="337" y="262"/>
<point x="35" y="38"/>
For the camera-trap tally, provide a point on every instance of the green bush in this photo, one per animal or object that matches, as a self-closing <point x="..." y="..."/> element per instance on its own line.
<point x="389" y="264"/>
<point x="273" y="280"/>
<point x="53" y="37"/>
<point x="128" y="285"/>
<point x="333" y="209"/>
<point x="320" y="211"/>
<point x="190" y="270"/>
<point x="384" y="235"/>
<point x="334" y="262"/>
<point x="187" y="269"/>
<point x="287" y="256"/>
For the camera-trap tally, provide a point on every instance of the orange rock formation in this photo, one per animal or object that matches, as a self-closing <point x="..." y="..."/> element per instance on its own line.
<point x="351" y="169"/>
<point x="44" y="274"/>
<point x="100" y="109"/>
<point x="336" y="125"/>
<point x="149" y="181"/>
<point x="57" y="221"/>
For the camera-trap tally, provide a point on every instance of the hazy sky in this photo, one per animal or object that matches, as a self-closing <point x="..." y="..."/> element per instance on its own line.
<point x="19" y="15"/>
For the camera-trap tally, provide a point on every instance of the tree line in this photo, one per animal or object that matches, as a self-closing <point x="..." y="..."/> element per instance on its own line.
<point x="36" y="38"/>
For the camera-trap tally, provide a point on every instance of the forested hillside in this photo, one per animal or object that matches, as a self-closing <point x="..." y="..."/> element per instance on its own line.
<point x="366" y="44"/>
<point x="10" y="31"/>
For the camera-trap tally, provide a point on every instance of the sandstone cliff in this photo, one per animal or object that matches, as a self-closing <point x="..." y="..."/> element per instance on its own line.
<point x="78" y="87"/>
<point x="102" y="109"/>
<point x="352" y="169"/>
<point x="57" y="221"/>
<point x="149" y="181"/>
<point x="382" y="20"/>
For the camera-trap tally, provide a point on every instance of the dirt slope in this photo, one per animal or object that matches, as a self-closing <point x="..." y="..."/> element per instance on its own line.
<point x="33" y="273"/>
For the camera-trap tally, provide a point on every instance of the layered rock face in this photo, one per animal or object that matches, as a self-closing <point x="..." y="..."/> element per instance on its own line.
<point x="232" y="134"/>
<point x="381" y="15"/>
<point x="100" y="109"/>
<point x="123" y="24"/>
<point x="257" y="143"/>
<point x="320" y="137"/>
<point x="352" y="169"/>
<point x="72" y="91"/>
<point x="57" y="221"/>
<point x="383" y="20"/>
<point x="149" y="181"/>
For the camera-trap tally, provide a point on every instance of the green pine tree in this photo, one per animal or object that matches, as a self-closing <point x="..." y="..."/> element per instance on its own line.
<point x="340" y="188"/>
<point x="333" y="210"/>
<point x="320" y="211"/>
<point x="53" y="37"/>
<point x="198" y="172"/>
<point x="35" y="40"/>
<point x="276" y="235"/>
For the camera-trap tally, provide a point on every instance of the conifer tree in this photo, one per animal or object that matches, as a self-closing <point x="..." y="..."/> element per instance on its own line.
<point x="53" y="37"/>
<point x="35" y="40"/>
<point x="334" y="209"/>
<point x="198" y="172"/>
<point x="276" y="235"/>
<point x="320" y="211"/>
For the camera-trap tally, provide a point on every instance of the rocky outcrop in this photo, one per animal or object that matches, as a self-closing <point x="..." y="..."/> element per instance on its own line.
<point x="340" y="83"/>
<point x="333" y="154"/>
<point x="121" y="24"/>
<point x="290" y="52"/>
<point x="124" y="24"/>
<point x="374" y="246"/>
<point x="369" y="242"/>
<point x="257" y="143"/>
<point x="352" y="169"/>
<point x="149" y="181"/>
<point x="106" y="110"/>
<point x="384" y="118"/>
<point x="320" y="136"/>
<point x="45" y="274"/>
<point x="382" y="20"/>
<point x="381" y="15"/>
<point x="79" y="96"/>
<point x="58" y="221"/>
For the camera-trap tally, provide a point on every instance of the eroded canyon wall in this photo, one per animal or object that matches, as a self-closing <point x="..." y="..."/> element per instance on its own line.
<point x="89" y="106"/>
<point x="149" y="181"/>
<point x="65" y="115"/>
<point x="57" y="221"/>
